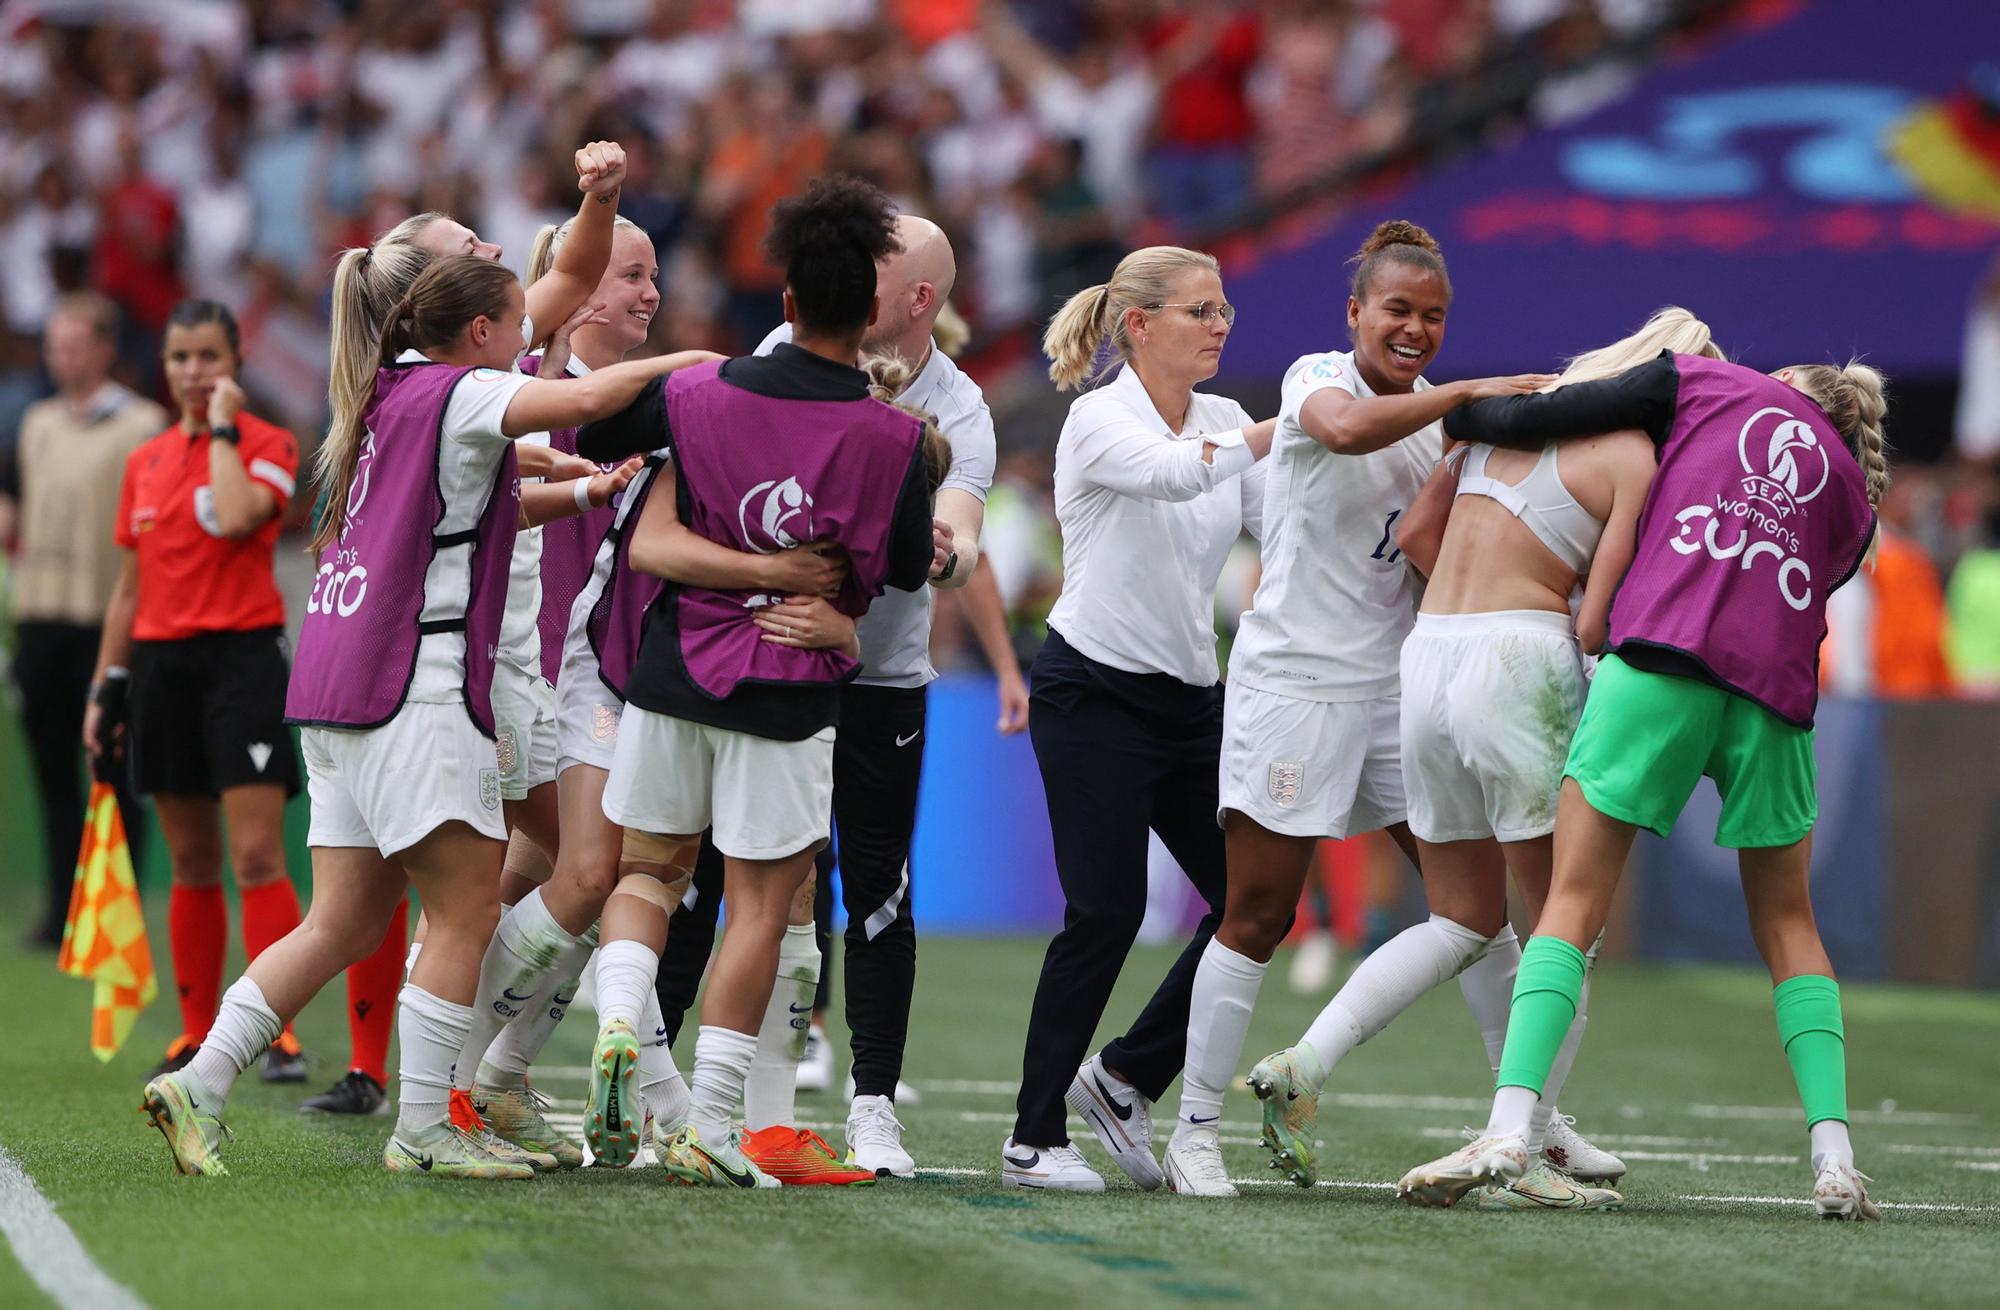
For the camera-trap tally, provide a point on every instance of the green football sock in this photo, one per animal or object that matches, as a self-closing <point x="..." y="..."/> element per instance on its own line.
<point x="1546" y="989"/>
<point x="1809" y="1026"/>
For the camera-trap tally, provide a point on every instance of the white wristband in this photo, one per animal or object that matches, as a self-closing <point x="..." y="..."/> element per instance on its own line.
<point x="583" y="495"/>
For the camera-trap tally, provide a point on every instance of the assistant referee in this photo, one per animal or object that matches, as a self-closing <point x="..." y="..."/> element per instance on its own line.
<point x="191" y="674"/>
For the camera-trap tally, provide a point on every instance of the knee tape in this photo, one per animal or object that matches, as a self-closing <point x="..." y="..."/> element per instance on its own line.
<point x="667" y="867"/>
<point x="648" y="887"/>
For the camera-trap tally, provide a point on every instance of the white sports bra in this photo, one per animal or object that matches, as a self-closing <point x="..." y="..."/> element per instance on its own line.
<point x="1539" y="500"/>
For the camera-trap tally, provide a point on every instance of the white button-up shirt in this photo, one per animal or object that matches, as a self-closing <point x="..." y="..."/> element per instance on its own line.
<point x="1146" y="524"/>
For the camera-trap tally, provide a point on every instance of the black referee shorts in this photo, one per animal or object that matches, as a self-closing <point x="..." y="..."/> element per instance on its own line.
<point x="208" y="714"/>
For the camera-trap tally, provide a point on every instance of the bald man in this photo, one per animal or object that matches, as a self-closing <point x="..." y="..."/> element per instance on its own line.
<point x="877" y="765"/>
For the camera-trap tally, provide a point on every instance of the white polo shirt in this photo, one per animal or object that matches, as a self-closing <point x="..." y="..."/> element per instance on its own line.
<point x="1146" y="525"/>
<point x="1336" y="598"/>
<point x="895" y="633"/>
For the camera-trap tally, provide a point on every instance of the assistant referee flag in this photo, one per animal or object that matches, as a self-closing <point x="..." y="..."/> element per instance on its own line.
<point x="105" y="938"/>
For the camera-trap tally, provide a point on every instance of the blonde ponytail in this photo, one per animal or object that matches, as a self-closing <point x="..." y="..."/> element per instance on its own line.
<point x="542" y="255"/>
<point x="1855" y="398"/>
<point x="1143" y="279"/>
<point x="367" y="283"/>
<point x="951" y="332"/>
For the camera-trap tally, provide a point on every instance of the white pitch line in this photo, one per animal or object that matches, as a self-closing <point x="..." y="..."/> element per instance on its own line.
<point x="1898" y="1148"/>
<point x="1791" y="1112"/>
<point x="1991" y="1166"/>
<point x="1617" y="1141"/>
<point x="49" y="1251"/>
<point x="1886" y="1205"/>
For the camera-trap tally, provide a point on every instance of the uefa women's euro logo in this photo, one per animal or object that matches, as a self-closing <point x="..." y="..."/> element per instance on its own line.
<point x="1785" y="466"/>
<point x="775" y="516"/>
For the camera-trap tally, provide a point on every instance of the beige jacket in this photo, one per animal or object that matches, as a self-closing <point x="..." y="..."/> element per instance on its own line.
<point x="71" y="474"/>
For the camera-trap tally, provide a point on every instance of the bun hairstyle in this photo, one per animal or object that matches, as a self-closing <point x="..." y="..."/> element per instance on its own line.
<point x="1671" y="328"/>
<point x="889" y="375"/>
<point x="1397" y="241"/>
<point x="827" y="241"/>
<point x="194" y="311"/>
<point x="447" y="295"/>
<point x="1094" y="315"/>
<point x="1855" y="398"/>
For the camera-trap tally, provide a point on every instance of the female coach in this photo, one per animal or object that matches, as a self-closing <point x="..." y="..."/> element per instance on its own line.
<point x="1127" y="709"/>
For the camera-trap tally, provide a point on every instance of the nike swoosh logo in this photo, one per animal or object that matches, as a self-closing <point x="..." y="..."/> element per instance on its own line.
<point x="422" y="1162"/>
<point x="739" y="1178"/>
<point x="1028" y="1163"/>
<point x="800" y="1009"/>
<point x="904" y="741"/>
<point x="508" y="992"/>
<point x="560" y="999"/>
<point x="1197" y="1119"/>
<point x="1122" y="1111"/>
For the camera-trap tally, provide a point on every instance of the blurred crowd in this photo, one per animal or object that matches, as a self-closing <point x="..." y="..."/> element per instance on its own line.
<point x="152" y="149"/>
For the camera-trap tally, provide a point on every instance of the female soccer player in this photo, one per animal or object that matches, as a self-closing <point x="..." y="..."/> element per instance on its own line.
<point x="415" y="540"/>
<point x="1492" y="684"/>
<point x="721" y="728"/>
<point x="368" y="281"/>
<point x="1762" y="505"/>
<point x="1154" y="482"/>
<point x="197" y="619"/>
<point x="587" y="713"/>
<point x="1310" y="745"/>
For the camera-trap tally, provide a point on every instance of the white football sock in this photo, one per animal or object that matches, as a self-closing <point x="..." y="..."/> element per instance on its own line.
<point x="1830" y="1143"/>
<point x="770" y="1094"/>
<point x="1225" y="992"/>
<point x="521" y="1041"/>
<point x="659" y="1078"/>
<point x="244" y="1029"/>
<point x="1513" y="1108"/>
<point x="432" y="1032"/>
<point x="1488" y="987"/>
<point x="1385" y="984"/>
<point x="625" y="974"/>
<point x="721" y="1062"/>
<point x="520" y="966"/>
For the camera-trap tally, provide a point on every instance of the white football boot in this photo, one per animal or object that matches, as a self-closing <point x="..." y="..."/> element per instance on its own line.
<point x="1194" y="1164"/>
<point x="1576" y="1155"/>
<point x="1840" y="1192"/>
<point x="1483" y="1160"/>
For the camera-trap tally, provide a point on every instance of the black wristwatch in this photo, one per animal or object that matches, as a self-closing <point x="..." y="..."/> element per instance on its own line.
<point x="950" y="567"/>
<point x="225" y="432"/>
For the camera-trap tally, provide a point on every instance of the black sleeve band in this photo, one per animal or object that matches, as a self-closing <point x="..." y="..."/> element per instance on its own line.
<point x="1642" y="397"/>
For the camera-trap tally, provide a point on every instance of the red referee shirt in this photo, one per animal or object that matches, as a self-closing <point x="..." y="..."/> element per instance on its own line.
<point x="191" y="578"/>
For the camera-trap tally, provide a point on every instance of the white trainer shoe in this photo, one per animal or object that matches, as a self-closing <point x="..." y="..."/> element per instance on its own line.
<point x="1121" y="1118"/>
<point x="905" y="1094"/>
<point x="1194" y="1164"/>
<point x="875" y="1139"/>
<point x="816" y="1065"/>
<point x="1047" y="1168"/>
<point x="1576" y="1155"/>
<point x="1314" y="961"/>
<point x="1840" y="1192"/>
<point x="1498" y="1160"/>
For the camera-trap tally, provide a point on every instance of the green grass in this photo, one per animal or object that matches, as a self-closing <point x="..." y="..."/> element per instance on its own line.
<point x="308" y="1217"/>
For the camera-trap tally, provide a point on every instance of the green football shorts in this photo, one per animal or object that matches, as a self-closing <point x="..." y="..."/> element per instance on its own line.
<point x="1647" y="738"/>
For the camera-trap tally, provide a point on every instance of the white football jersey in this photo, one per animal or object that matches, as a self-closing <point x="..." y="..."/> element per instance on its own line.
<point x="1337" y="597"/>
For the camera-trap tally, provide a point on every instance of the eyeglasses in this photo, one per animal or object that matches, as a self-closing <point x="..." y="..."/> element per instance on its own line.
<point x="1204" y="311"/>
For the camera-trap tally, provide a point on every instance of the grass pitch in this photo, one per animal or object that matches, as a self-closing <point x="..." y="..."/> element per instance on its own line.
<point x="1681" y="1074"/>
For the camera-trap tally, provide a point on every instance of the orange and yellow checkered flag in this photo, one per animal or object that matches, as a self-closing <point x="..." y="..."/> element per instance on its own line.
<point x="105" y="938"/>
